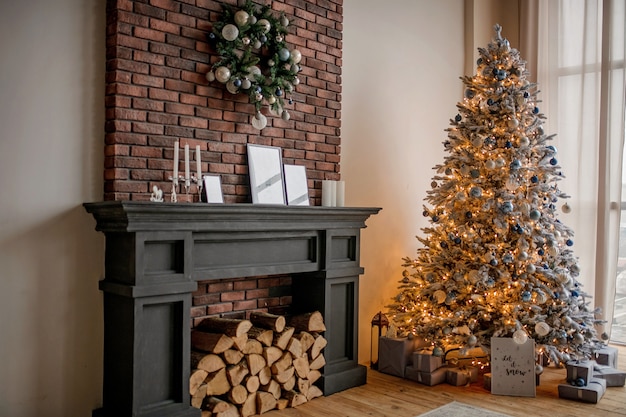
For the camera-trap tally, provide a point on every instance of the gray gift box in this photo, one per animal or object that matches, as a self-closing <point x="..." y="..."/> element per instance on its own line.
<point x="424" y="361"/>
<point x="613" y="377"/>
<point x="438" y="376"/>
<point x="607" y="356"/>
<point x="394" y="354"/>
<point x="591" y="393"/>
<point x="461" y="376"/>
<point x="582" y="369"/>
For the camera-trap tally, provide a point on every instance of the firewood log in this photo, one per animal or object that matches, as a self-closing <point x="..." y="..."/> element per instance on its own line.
<point x="251" y="382"/>
<point x="206" y="413"/>
<point x="196" y="379"/>
<point x="283" y="376"/>
<point x="306" y="340"/>
<point x="294" y="399"/>
<point x="294" y="347"/>
<point x="239" y="342"/>
<point x="308" y="322"/>
<point x="265" y="402"/>
<point x="265" y="336"/>
<point x="249" y="406"/>
<point x="269" y="321"/>
<point x="282" y="364"/>
<point x="236" y="373"/>
<point x="318" y="362"/>
<point x="198" y="398"/>
<point x="281" y="404"/>
<point x="253" y="346"/>
<point x="238" y="394"/>
<point x="210" y="342"/>
<point x="304" y="385"/>
<point x="232" y="411"/>
<point x="281" y="339"/>
<point x="314" y="392"/>
<point x="217" y="383"/>
<point x="208" y="362"/>
<point x="255" y="363"/>
<point x="265" y="375"/>
<point x="230" y="327"/>
<point x="313" y="375"/>
<point x="319" y="344"/>
<point x="302" y="367"/>
<point x="272" y="354"/>
<point x="289" y="384"/>
<point x="215" y="405"/>
<point x="273" y="388"/>
<point x="232" y="356"/>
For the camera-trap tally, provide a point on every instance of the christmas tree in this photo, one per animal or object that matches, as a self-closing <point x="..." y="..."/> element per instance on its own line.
<point x="496" y="261"/>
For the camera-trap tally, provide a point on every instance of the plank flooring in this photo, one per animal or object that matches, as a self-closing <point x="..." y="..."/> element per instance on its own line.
<point x="389" y="396"/>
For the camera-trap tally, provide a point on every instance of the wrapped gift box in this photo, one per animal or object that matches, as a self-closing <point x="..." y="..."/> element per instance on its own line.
<point x="590" y="394"/>
<point x="613" y="377"/>
<point x="438" y="376"/>
<point x="487" y="381"/>
<point x="461" y="376"/>
<point x="424" y="361"/>
<point x="607" y="356"/>
<point x="394" y="354"/>
<point x="576" y="370"/>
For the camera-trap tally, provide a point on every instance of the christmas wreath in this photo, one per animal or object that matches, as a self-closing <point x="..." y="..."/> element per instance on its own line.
<point x="254" y="58"/>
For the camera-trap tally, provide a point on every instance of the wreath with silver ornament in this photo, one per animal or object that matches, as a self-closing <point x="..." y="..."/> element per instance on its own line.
<point x="255" y="59"/>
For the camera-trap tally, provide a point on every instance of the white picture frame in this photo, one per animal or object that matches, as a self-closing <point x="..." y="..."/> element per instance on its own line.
<point x="266" y="174"/>
<point x="296" y="185"/>
<point x="212" y="188"/>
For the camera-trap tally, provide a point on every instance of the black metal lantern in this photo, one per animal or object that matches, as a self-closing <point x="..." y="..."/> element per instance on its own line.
<point x="380" y="324"/>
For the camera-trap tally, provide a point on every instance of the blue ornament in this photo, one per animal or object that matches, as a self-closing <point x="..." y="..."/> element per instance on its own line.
<point x="551" y="148"/>
<point x="526" y="94"/>
<point x="516" y="164"/>
<point x="437" y="351"/>
<point x="534" y="214"/>
<point x="479" y="61"/>
<point x="508" y="144"/>
<point x="237" y="82"/>
<point x="278" y="92"/>
<point x="569" y="242"/>
<point x="212" y="36"/>
<point x="474" y="173"/>
<point x="536" y="110"/>
<point x="580" y="382"/>
<point x="540" y="252"/>
<point x="506" y="207"/>
<point x="468" y="214"/>
<point x="425" y="213"/>
<point x="476" y="192"/>
<point x="457" y="240"/>
<point x="501" y="75"/>
<point x="435" y="219"/>
<point x="534" y="179"/>
<point x="284" y="54"/>
<point x="457" y="118"/>
<point x="469" y="93"/>
<point x="491" y="282"/>
<point x="290" y="101"/>
<point x="263" y="38"/>
<point x="490" y="102"/>
<point x="553" y="161"/>
<point x="258" y="89"/>
<point x="507" y="259"/>
<point x="444" y="245"/>
<point x="526" y="296"/>
<point x="493" y="262"/>
<point x="574" y="293"/>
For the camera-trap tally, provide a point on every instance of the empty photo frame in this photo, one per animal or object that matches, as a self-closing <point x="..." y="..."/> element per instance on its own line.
<point x="212" y="189"/>
<point x="296" y="185"/>
<point x="266" y="174"/>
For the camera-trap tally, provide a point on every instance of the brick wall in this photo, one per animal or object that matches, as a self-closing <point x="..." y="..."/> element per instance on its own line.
<point x="157" y="93"/>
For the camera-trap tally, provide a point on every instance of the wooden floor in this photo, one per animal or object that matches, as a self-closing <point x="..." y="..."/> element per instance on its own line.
<point x="389" y="396"/>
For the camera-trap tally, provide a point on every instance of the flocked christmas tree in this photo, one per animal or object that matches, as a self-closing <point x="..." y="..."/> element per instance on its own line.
<point x="496" y="261"/>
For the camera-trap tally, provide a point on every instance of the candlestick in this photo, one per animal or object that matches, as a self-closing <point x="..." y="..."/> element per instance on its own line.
<point x="176" y="157"/>
<point x="199" y="171"/>
<point x="187" y="176"/>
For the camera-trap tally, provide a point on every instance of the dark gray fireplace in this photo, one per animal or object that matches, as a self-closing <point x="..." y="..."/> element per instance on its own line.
<point x="156" y="253"/>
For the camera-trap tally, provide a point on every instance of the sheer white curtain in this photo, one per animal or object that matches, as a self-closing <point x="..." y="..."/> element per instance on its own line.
<point x="580" y="71"/>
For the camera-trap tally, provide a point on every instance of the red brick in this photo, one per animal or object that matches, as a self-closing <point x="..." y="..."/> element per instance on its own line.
<point x="258" y="293"/>
<point x="233" y="296"/>
<point x="220" y="287"/>
<point x="245" y="305"/>
<point x="248" y="284"/>
<point x="219" y="308"/>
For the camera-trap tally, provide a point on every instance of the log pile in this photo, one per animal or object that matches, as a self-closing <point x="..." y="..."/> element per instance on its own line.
<point x="240" y="368"/>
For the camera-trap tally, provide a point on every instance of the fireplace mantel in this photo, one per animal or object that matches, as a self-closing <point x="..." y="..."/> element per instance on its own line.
<point x="156" y="253"/>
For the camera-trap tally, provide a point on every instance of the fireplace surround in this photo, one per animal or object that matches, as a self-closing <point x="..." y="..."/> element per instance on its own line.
<point x="155" y="254"/>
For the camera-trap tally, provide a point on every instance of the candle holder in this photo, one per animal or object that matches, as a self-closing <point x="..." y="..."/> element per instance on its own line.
<point x="199" y="184"/>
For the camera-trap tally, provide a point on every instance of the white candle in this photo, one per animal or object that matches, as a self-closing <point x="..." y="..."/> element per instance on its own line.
<point x="341" y="193"/>
<point x="326" y="193"/>
<point x="333" y="193"/>
<point x="198" y="164"/>
<point x="175" y="174"/>
<point x="187" y="161"/>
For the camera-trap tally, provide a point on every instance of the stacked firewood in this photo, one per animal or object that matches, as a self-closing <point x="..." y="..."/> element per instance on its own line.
<point x="248" y="367"/>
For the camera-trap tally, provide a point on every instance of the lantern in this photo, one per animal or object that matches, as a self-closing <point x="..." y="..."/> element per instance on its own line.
<point x="380" y="324"/>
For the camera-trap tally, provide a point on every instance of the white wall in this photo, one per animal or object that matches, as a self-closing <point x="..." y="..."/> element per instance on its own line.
<point x="51" y="258"/>
<point x="401" y="66"/>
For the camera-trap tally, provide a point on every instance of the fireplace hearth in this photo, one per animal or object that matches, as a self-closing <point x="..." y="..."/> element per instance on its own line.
<point x="157" y="252"/>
